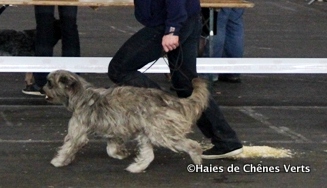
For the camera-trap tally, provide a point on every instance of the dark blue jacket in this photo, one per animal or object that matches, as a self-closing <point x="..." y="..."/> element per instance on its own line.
<point x="171" y="13"/>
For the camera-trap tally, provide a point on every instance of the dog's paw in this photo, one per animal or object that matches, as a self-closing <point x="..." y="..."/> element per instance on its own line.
<point x="121" y="155"/>
<point x="56" y="162"/>
<point x="60" y="162"/>
<point x="116" y="153"/>
<point x="197" y="159"/>
<point x="135" y="168"/>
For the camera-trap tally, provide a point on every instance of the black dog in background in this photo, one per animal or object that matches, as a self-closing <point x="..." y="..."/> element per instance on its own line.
<point x="22" y="43"/>
<point x="17" y="43"/>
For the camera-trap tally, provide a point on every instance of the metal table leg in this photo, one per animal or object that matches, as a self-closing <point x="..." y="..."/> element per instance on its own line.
<point x="311" y="2"/>
<point x="3" y="8"/>
<point x="212" y="32"/>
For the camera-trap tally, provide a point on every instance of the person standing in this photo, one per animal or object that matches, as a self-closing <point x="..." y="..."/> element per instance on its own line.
<point x="228" y="40"/>
<point x="46" y="35"/>
<point x="173" y="28"/>
<point x="30" y="86"/>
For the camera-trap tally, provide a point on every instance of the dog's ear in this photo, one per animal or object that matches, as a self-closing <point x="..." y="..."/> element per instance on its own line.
<point x="68" y="81"/>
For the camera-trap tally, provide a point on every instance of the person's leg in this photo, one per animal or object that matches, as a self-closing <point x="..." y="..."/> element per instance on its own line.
<point x="57" y="31"/>
<point x="29" y="85"/>
<point x="44" y="16"/>
<point x="182" y="61"/>
<point x="69" y="32"/>
<point x="212" y="122"/>
<point x="234" y="41"/>
<point x="29" y="79"/>
<point x="142" y="48"/>
<point x="213" y="125"/>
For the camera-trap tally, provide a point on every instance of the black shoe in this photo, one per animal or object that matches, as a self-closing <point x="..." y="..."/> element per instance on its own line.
<point x="215" y="153"/>
<point x="230" y="78"/>
<point x="31" y="90"/>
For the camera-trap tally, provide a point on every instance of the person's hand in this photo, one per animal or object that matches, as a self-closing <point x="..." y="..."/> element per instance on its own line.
<point x="170" y="42"/>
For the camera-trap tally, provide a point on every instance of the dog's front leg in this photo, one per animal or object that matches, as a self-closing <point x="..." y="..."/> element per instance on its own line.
<point x="144" y="157"/>
<point x="75" y="139"/>
<point x="116" y="148"/>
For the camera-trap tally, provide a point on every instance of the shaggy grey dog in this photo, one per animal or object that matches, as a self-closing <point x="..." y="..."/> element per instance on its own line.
<point x="150" y="116"/>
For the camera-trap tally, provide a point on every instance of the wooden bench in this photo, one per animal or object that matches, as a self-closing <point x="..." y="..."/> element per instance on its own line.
<point x="95" y="3"/>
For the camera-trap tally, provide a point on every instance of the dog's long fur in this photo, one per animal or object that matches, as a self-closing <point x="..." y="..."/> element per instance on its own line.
<point x="151" y="116"/>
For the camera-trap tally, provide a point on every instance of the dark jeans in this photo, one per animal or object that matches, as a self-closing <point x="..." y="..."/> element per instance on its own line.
<point x="229" y="38"/>
<point x="144" y="47"/>
<point x="46" y="34"/>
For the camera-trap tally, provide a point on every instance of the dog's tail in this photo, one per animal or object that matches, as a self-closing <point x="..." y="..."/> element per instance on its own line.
<point x="196" y="103"/>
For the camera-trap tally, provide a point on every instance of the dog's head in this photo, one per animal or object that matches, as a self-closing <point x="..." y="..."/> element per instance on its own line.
<point x="63" y="85"/>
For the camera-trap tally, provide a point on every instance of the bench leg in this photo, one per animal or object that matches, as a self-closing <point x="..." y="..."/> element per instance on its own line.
<point x="311" y="2"/>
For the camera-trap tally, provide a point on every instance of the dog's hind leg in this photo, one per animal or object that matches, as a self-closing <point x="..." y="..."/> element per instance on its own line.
<point x="191" y="147"/>
<point x="144" y="157"/>
<point x="75" y="139"/>
<point x="116" y="148"/>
